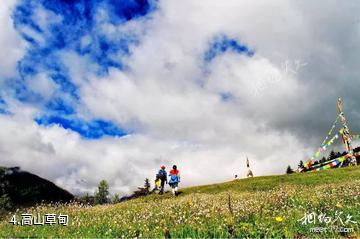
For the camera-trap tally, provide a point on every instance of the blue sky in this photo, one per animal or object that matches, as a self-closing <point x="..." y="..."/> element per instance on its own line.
<point x="72" y="27"/>
<point x="93" y="90"/>
<point x="75" y="20"/>
<point x="221" y="44"/>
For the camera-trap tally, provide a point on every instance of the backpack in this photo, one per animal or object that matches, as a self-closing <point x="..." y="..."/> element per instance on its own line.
<point x="158" y="183"/>
<point x="162" y="174"/>
<point x="174" y="179"/>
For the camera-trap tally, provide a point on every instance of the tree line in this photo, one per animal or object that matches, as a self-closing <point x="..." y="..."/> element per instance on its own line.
<point x="102" y="194"/>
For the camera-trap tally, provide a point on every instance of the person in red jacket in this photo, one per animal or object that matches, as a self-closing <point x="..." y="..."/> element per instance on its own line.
<point x="174" y="175"/>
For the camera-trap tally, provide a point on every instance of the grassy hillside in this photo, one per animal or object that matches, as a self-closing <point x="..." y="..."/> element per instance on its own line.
<point x="271" y="206"/>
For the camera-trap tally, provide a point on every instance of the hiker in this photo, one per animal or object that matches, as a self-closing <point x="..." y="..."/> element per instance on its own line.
<point x="157" y="182"/>
<point x="249" y="173"/>
<point x="174" y="180"/>
<point x="163" y="178"/>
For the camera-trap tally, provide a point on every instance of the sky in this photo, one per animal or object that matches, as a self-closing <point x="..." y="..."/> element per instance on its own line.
<point x="113" y="89"/>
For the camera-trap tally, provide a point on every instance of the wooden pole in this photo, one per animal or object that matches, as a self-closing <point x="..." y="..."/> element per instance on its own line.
<point x="346" y="136"/>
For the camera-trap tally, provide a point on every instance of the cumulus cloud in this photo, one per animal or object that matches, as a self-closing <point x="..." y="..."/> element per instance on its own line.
<point x="150" y="76"/>
<point x="13" y="46"/>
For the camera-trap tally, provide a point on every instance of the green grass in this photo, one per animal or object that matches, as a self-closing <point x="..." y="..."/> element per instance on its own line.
<point x="268" y="182"/>
<point x="270" y="206"/>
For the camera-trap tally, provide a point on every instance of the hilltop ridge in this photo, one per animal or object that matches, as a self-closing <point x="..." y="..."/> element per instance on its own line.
<point x="268" y="206"/>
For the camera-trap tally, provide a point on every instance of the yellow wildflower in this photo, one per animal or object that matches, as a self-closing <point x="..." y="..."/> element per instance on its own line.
<point x="338" y="205"/>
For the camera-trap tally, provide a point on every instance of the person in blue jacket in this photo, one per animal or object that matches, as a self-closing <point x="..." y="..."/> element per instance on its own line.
<point x="163" y="177"/>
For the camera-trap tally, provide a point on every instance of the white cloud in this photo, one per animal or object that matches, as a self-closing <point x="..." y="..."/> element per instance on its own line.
<point x="42" y="85"/>
<point x="12" y="46"/>
<point x="44" y="18"/>
<point x="78" y="164"/>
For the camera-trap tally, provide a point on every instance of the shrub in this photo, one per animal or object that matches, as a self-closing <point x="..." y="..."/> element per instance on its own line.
<point x="289" y="170"/>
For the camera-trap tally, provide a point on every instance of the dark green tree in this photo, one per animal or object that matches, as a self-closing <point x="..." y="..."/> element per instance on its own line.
<point x="147" y="185"/>
<point x="332" y="155"/>
<point x="88" y="199"/>
<point x="289" y="170"/>
<point x="2" y="182"/>
<point x="338" y="154"/>
<point x="116" y="198"/>
<point x="5" y="201"/>
<point x="102" y="193"/>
